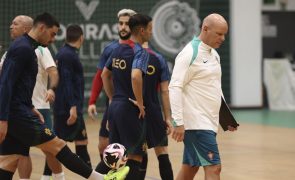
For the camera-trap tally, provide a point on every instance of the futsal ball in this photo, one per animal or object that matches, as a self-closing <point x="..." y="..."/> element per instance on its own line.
<point x="115" y="156"/>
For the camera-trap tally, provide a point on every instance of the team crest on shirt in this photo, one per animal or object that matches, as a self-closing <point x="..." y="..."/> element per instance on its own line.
<point x="151" y="70"/>
<point x="210" y="155"/>
<point x="47" y="131"/>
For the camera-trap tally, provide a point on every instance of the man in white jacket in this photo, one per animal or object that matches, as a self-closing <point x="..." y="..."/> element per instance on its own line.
<point x="195" y="97"/>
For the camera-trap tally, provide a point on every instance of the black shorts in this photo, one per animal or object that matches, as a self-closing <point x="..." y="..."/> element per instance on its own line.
<point x="12" y="145"/>
<point x="23" y="132"/>
<point x="156" y="127"/>
<point x="103" y="132"/>
<point x="126" y="128"/>
<point x="75" y="132"/>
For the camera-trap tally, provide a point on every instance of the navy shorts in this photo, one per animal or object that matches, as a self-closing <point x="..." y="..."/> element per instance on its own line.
<point x="12" y="145"/>
<point x="156" y="127"/>
<point x="103" y="132"/>
<point x="200" y="148"/>
<point x="126" y="128"/>
<point x="75" y="132"/>
<point x="23" y="132"/>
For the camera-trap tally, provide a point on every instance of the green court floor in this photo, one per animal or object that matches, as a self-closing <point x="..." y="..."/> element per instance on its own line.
<point x="266" y="117"/>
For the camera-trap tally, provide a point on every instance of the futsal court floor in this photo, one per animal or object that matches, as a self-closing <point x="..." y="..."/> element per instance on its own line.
<point x="263" y="148"/>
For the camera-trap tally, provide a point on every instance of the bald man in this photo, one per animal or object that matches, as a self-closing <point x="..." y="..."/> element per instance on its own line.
<point x="195" y="97"/>
<point x="20" y="25"/>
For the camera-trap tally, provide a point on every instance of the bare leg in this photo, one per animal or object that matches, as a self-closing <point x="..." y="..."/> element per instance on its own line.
<point x="9" y="162"/>
<point x="50" y="149"/>
<point x="53" y="163"/>
<point x="212" y="172"/>
<point x="187" y="172"/>
<point x="161" y="150"/>
<point x="24" y="167"/>
<point x="53" y="146"/>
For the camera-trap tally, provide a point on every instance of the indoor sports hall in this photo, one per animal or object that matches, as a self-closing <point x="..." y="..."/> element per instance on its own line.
<point x="257" y="61"/>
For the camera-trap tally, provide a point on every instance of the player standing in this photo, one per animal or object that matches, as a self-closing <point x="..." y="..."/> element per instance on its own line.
<point x="157" y="77"/>
<point x="122" y="79"/>
<point x="124" y="34"/>
<point x="69" y="124"/>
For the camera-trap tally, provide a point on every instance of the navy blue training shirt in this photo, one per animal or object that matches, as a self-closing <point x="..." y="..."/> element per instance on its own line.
<point x="125" y="57"/>
<point x="70" y="90"/>
<point x="157" y="72"/>
<point x="105" y="56"/>
<point x="18" y="78"/>
<point x="107" y="53"/>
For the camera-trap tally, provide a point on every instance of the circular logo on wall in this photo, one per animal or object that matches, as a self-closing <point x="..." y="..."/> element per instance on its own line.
<point x="174" y="25"/>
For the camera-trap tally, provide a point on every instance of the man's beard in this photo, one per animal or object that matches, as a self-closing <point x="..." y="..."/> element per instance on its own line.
<point x="127" y="36"/>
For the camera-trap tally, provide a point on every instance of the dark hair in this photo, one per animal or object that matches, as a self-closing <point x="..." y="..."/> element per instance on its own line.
<point x="138" y="20"/>
<point x="74" y="32"/>
<point x="46" y="19"/>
